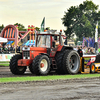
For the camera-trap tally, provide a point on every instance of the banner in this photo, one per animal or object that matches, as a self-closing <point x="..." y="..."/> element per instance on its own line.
<point x="88" y="42"/>
<point x="6" y="57"/>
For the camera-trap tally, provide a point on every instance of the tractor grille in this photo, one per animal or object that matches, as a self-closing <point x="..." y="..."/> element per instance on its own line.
<point x="26" y="54"/>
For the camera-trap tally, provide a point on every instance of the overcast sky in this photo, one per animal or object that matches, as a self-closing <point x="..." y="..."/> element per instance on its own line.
<point x="31" y="12"/>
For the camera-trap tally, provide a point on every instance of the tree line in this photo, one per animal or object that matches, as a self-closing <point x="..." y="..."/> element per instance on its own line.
<point x="81" y="20"/>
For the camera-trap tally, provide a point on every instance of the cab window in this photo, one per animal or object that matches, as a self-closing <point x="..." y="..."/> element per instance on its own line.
<point x="43" y="41"/>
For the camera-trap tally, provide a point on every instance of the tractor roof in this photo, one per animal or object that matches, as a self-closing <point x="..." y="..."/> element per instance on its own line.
<point x="49" y="32"/>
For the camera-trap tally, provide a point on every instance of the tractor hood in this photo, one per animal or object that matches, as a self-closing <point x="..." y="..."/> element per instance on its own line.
<point x="34" y="49"/>
<point x="31" y="52"/>
<point x="37" y="49"/>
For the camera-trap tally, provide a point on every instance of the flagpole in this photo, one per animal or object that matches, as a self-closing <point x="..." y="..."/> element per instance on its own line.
<point x="96" y="38"/>
<point x="42" y="25"/>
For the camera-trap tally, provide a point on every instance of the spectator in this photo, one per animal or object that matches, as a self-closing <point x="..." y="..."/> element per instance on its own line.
<point x="11" y="49"/>
<point x="80" y="52"/>
<point x="0" y="48"/>
<point x="91" y="51"/>
<point x="5" y="49"/>
<point x="75" y="48"/>
<point x="18" y="49"/>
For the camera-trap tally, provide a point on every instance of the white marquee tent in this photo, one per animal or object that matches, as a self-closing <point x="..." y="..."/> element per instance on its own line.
<point x="3" y="39"/>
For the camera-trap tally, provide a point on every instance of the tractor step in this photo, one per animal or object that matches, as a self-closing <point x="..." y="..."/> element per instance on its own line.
<point x="54" y="63"/>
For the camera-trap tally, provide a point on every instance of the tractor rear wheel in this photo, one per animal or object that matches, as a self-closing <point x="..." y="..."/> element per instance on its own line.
<point x="92" y="68"/>
<point x="71" y="62"/>
<point x="15" y="69"/>
<point x="59" y="61"/>
<point x="41" y="65"/>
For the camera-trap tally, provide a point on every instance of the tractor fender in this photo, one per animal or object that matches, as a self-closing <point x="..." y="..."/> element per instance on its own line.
<point x="44" y="54"/>
<point x="66" y="48"/>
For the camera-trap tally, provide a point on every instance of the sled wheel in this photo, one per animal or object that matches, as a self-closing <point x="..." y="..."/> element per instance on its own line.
<point x="92" y="68"/>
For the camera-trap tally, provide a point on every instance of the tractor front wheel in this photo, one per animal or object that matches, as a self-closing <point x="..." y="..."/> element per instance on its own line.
<point x="31" y="69"/>
<point x="41" y="65"/>
<point x="15" y="69"/>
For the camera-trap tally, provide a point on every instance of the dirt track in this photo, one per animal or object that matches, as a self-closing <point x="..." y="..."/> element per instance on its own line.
<point x="83" y="89"/>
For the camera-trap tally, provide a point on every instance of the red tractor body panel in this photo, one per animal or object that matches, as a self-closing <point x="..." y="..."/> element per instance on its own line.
<point x="53" y="52"/>
<point x="24" y="62"/>
<point x="33" y="52"/>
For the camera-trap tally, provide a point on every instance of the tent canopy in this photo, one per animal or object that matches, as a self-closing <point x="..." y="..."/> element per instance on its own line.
<point x="3" y="39"/>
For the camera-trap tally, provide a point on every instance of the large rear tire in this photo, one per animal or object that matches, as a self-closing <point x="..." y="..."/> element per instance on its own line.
<point x="71" y="62"/>
<point x="41" y="65"/>
<point x="59" y="61"/>
<point x="14" y="68"/>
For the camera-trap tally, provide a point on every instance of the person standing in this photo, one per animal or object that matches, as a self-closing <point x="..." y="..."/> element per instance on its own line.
<point x="80" y="52"/>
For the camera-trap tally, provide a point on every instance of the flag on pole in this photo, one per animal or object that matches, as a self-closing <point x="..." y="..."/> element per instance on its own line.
<point x="42" y="25"/>
<point x="96" y="33"/>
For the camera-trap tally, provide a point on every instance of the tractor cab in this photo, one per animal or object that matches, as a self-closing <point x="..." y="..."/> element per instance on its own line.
<point x="43" y="41"/>
<point x="52" y="42"/>
<point x="49" y="40"/>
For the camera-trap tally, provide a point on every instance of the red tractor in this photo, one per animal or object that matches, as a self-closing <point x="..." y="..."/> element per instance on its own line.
<point x="49" y="53"/>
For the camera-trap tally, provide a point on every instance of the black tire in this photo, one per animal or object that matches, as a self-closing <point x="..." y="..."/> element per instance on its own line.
<point x="41" y="65"/>
<point x="71" y="62"/>
<point x="31" y="69"/>
<point x="14" y="68"/>
<point x="92" y="68"/>
<point x="59" y="62"/>
<point x="97" y="60"/>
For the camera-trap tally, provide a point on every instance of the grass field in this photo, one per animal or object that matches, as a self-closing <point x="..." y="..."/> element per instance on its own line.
<point x="4" y="63"/>
<point x="49" y="77"/>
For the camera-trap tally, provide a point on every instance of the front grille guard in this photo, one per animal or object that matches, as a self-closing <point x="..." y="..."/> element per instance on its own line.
<point x="26" y="54"/>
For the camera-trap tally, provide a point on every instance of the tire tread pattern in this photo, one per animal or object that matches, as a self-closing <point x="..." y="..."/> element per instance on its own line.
<point x="13" y="65"/>
<point x="65" y="60"/>
<point x="36" y="63"/>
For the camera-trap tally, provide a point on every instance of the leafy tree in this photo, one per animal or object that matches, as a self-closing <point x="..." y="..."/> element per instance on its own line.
<point x="81" y="19"/>
<point x="21" y="27"/>
<point x="37" y="28"/>
<point x="1" y="27"/>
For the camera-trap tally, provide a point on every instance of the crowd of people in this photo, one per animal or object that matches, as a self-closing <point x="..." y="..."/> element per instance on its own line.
<point x="86" y="50"/>
<point x="7" y="49"/>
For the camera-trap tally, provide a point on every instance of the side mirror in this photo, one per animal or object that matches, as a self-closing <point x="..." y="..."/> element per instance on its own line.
<point x="53" y="44"/>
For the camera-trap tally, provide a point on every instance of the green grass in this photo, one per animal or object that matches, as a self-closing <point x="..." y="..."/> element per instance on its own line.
<point x="50" y="77"/>
<point x="4" y="63"/>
